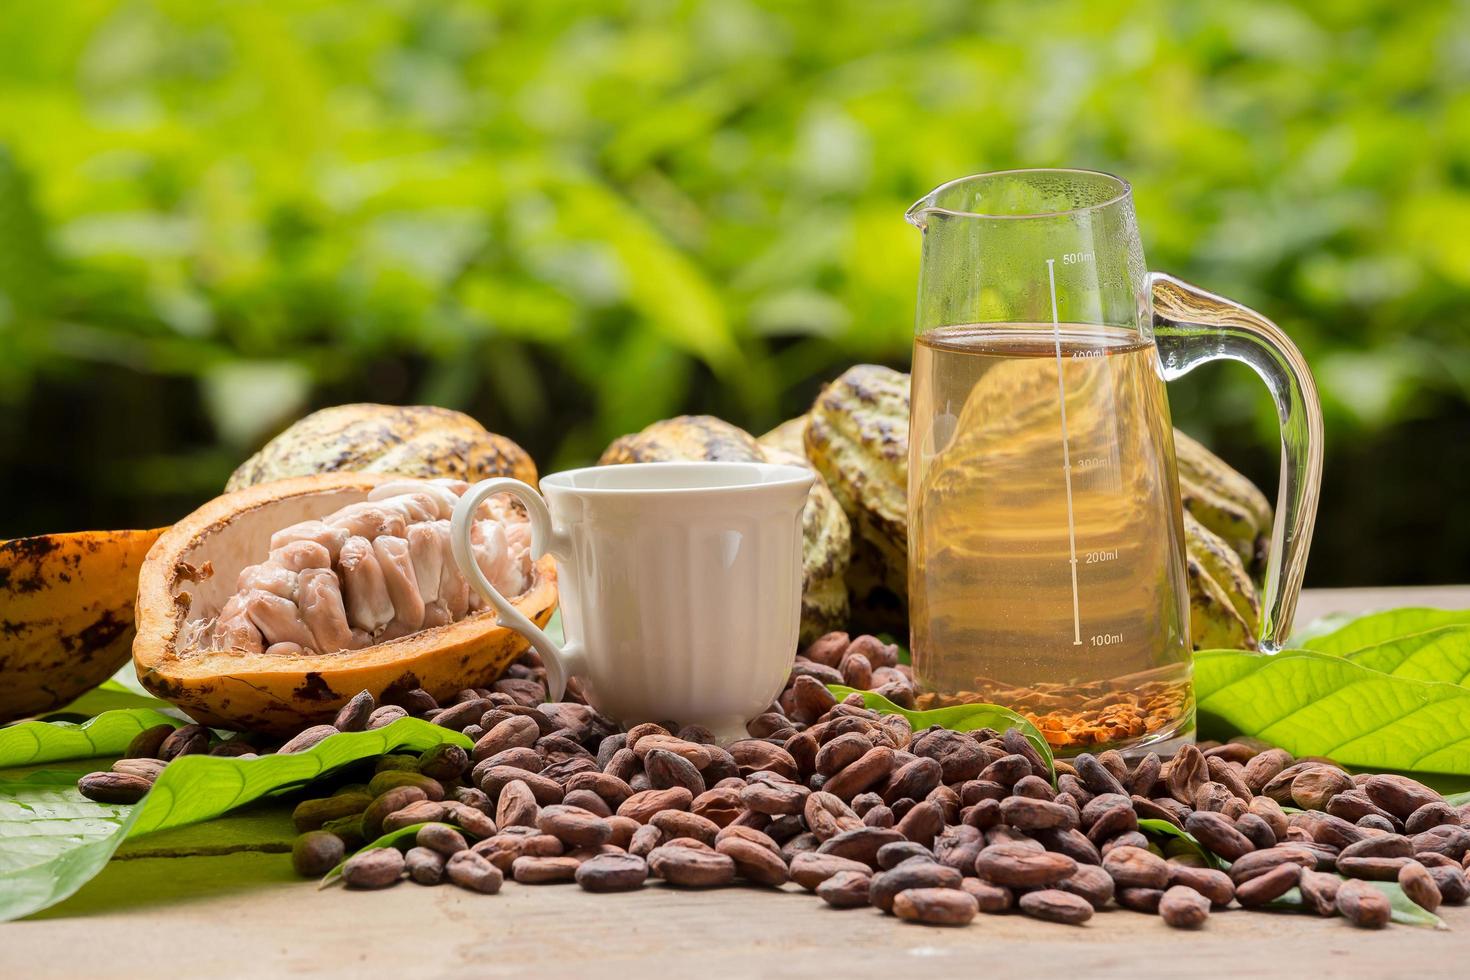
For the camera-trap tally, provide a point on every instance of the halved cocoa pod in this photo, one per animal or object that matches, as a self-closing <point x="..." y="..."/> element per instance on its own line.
<point x="224" y="628"/>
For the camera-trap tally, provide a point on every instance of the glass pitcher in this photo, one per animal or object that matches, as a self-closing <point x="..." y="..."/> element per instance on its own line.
<point x="1047" y="564"/>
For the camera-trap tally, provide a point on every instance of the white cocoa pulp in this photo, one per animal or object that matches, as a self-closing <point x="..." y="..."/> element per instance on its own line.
<point x="371" y="572"/>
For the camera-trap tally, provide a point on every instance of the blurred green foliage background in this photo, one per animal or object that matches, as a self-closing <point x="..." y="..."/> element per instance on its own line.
<point x="571" y="219"/>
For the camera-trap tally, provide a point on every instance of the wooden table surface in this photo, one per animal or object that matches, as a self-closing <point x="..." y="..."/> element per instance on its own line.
<point x="188" y="903"/>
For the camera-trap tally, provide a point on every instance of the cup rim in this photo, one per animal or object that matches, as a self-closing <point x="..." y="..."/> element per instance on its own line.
<point x="781" y="475"/>
<point x="922" y="208"/>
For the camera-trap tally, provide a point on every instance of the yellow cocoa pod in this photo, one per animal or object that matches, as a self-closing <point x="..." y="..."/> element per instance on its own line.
<point x="412" y="440"/>
<point x="67" y="614"/>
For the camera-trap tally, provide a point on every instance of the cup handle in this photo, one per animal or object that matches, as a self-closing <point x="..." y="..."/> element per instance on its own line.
<point x="562" y="663"/>
<point x="1192" y="326"/>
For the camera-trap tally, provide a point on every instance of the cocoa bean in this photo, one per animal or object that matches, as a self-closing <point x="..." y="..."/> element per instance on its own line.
<point x="475" y="872"/>
<point x="612" y="873"/>
<point x="1259" y="862"/>
<point x="542" y="845"/>
<point x="753" y="862"/>
<point x="690" y="868"/>
<point x="1435" y="814"/>
<point x="1319" y="891"/>
<point x="1419" y="885"/>
<point x="845" y="890"/>
<point x="315" y="853"/>
<point x="384" y="781"/>
<point x="1313" y="788"/>
<point x="890" y="855"/>
<point x="384" y="716"/>
<point x="1399" y="795"/>
<point x="681" y="823"/>
<point x="1217" y="834"/>
<point x="775" y="799"/>
<point x="441" y="838"/>
<point x="1090" y="882"/>
<point x="529" y="870"/>
<point x="1268" y="887"/>
<point x="828" y="649"/>
<point x="915" y="873"/>
<point x="1372" y="868"/>
<point x="457" y="716"/>
<point x="1212" y="884"/>
<point x="1385" y="846"/>
<point x="1145" y="900"/>
<point x="1451" y="841"/>
<point x="1034" y="814"/>
<point x="1453" y="886"/>
<point x="935" y="906"/>
<point x="444" y="762"/>
<point x="1213" y="797"/>
<point x="1182" y="907"/>
<point x="642" y="806"/>
<point x="493" y="771"/>
<point x="610" y="788"/>
<point x="1017" y="865"/>
<point x="574" y="826"/>
<point x="1229" y="775"/>
<point x="424" y="866"/>
<point x="1145" y="774"/>
<point x="424" y="811"/>
<point x="378" y="868"/>
<point x="991" y="899"/>
<point x="754" y="755"/>
<point x="914" y="780"/>
<point x="722" y="806"/>
<point x="1271" y="813"/>
<point x="353" y="716"/>
<point x="147" y="743"/>
<point x="859" y="845"/>
<point x="1134" y="867"/>
<point x="667" y="769"/>
<point x="1072" y="843"/>
<point x="1363" y="905"/>
<point x="1055" y="905"/>
<point x="921" y="823"/>
<point x="1007" y="770"/>
<point x="469" y="819"/>
<point x="585" y="799"/>
<point x="516" y="731"/>
<point x="516" y="806"/>
<point x="1256" y="830"/>
<point x="811" y="868"/>
<point x="1187" y="772"/>
<point x="194" y="739"/>
<point x="312" y="814"/>
<point x="1265" y="767"/>
<point x="866" y="772"/>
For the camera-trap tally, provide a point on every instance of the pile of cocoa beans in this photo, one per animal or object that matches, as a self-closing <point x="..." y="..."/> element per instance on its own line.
<point x="933" y="826"/>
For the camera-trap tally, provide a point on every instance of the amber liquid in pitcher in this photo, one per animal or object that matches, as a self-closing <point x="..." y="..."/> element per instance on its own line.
<point x="1046" y="565"/>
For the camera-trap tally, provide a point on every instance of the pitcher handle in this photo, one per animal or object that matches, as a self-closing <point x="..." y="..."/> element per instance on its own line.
<point x="562" y="663"/>
<point x="1192" y="326"/>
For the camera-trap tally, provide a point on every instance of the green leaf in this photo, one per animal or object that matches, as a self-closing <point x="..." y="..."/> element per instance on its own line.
<point x="30" y="743"/>
<point x="56" y="840"/>
<point x="390" y="839"/>
<point x="1382" y="627"/>
<point x="1441" y="654"/>
<point x="1162" y="828"/>
<point x="1405" y="911"/>
<point x="110" y="696"/>
<point x="960" y="718"/>
<point x="1312" y="703"/>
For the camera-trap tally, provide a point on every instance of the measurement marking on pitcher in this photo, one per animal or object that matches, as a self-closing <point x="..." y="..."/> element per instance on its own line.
<point x="1106" y="639"/>
<point x="1056" y="326"/>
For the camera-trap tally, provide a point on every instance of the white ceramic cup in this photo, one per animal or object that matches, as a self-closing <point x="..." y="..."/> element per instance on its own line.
<point x="680" y="585"/>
